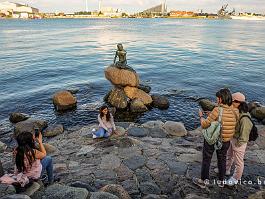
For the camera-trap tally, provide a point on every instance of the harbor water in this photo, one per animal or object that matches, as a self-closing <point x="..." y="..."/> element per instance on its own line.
<point x="184" y="59"/>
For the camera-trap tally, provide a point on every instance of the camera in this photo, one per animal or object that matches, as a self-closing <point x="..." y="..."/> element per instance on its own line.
<point x="37" y="132"/>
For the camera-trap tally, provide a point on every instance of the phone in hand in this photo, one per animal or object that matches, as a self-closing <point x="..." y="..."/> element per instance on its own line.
<point x="37" y="132"/>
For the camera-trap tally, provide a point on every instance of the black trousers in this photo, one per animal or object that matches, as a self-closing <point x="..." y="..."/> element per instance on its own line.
<point x="208" y="151"/>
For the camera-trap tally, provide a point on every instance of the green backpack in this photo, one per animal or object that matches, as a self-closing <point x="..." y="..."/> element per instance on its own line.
<point x="212" y="133"/>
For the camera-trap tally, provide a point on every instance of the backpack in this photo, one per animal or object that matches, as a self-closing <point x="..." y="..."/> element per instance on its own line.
<point x="254" y="131"/>
<point x="212" y="134"/>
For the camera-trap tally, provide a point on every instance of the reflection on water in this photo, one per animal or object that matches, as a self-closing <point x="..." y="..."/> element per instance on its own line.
<point x="196" y="57"/>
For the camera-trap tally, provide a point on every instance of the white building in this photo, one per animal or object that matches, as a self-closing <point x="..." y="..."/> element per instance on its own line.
<point x="18" y="10"/>
<point x="108" y="11"/>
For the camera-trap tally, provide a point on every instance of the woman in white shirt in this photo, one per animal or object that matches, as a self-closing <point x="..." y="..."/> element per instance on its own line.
<point x="106" y="123"/>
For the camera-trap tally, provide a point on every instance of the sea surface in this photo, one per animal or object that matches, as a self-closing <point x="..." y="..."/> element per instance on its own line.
<point x="184" y="59"/>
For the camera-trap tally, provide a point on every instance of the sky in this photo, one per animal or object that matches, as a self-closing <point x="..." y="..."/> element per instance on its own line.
<point x="132" y="6"/>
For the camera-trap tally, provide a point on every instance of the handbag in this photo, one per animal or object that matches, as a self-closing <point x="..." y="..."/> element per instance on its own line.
<point x="213" y="132"/>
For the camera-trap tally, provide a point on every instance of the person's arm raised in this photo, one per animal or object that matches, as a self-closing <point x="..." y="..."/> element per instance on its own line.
<point x="40" y="154"/>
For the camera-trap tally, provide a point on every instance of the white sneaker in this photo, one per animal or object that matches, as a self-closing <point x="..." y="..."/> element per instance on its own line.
<point x="231" y="182"/>
<point x="94" y="136"/>
<point x="227" y="173"/>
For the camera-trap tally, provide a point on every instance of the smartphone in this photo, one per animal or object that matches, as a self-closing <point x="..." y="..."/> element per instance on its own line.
<point x="37" y="132"/>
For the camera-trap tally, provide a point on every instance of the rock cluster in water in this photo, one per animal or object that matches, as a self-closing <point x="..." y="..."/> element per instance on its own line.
<point x="128" y="93"/>
<point x="149" y="161"/>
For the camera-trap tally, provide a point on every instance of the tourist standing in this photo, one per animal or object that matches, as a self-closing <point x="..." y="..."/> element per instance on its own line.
<point x="228" y="120"/>
<point x="106" y="123"/>
<point x="236" y="152"/>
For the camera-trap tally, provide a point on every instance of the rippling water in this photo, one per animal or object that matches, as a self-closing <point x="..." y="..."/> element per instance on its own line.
<point x="183" y="59"/>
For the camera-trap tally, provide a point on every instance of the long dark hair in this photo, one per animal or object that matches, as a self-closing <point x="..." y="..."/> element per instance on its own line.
<point x="102" y="114"/>
<point x="225" y="95"/>
<point x="243" y="107"/>
<point x="26" y="146"/>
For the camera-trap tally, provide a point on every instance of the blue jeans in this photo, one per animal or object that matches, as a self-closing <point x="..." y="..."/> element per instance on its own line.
<point x="48" y="167"/>
<point x="102" y="133"/>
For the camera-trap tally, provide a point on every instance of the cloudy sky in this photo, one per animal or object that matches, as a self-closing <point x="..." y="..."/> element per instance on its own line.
<point x="139" y="5"/>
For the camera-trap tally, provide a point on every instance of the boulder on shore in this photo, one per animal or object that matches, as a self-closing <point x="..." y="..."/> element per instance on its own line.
<point x="118" y="98"/>
<point x="18" y="117"/>
<point x="175" y="129"/>
<point x="258" y="113"/>
<point x="207" y="105"/>
<point x="64" y="100"/>
<point x="137" y="106"/>
<point x="121" y="77"/>
<point x="52" y="131"/>
<point x="29" y="125"/>
<point x="160" y="102"/>
<point x="61" y="192"/>
<point x="135" y="93"/>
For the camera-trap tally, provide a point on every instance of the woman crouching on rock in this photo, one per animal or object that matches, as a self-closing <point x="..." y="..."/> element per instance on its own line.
<point x="106" y="123"/>
<point x="30" y="163"/>
<point x="228" y="117"/>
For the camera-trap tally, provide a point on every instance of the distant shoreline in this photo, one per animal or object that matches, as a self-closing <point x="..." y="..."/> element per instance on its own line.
<point x="104" y="17"/>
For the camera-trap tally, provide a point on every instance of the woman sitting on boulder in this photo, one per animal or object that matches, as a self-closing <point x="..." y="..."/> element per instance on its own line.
<point x="31" y="163"/>
<point x="106" y="123"/>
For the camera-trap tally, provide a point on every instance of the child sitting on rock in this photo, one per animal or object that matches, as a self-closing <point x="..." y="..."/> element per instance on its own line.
<point x="106" y="124"/>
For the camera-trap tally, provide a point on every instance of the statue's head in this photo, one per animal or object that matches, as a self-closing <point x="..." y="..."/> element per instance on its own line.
<point x="120" y="47"/>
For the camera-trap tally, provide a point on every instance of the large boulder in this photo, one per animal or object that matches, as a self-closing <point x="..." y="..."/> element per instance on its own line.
<point x="154" y="124"/>
<point x="61" y="192"/>
<point x="135" y="93"/>
<point x="64" y="100"/>
<point x="138" y="132"/>
<point x="137" y="106"/>
<point x="118" y="98"/>
<point x="258" y="112"/>
<point x="121" y="77"/>
<point x="175" y="129"/>
<point x="207" y="105"/>
<point x="29" y="125"/>
<point x="54" y="130"/>
<point x="160" y="102"/>
<point x="116" y="190"/>
<point x="18" y="117"/>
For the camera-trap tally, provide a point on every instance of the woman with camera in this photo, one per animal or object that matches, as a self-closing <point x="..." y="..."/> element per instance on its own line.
<point x="30" y="162"/>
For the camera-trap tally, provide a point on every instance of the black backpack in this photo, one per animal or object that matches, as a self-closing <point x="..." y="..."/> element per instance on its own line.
<point x="254" y="131"/>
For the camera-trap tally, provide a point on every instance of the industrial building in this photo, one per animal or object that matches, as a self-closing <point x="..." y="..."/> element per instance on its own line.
<point x="16" y="10"/>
